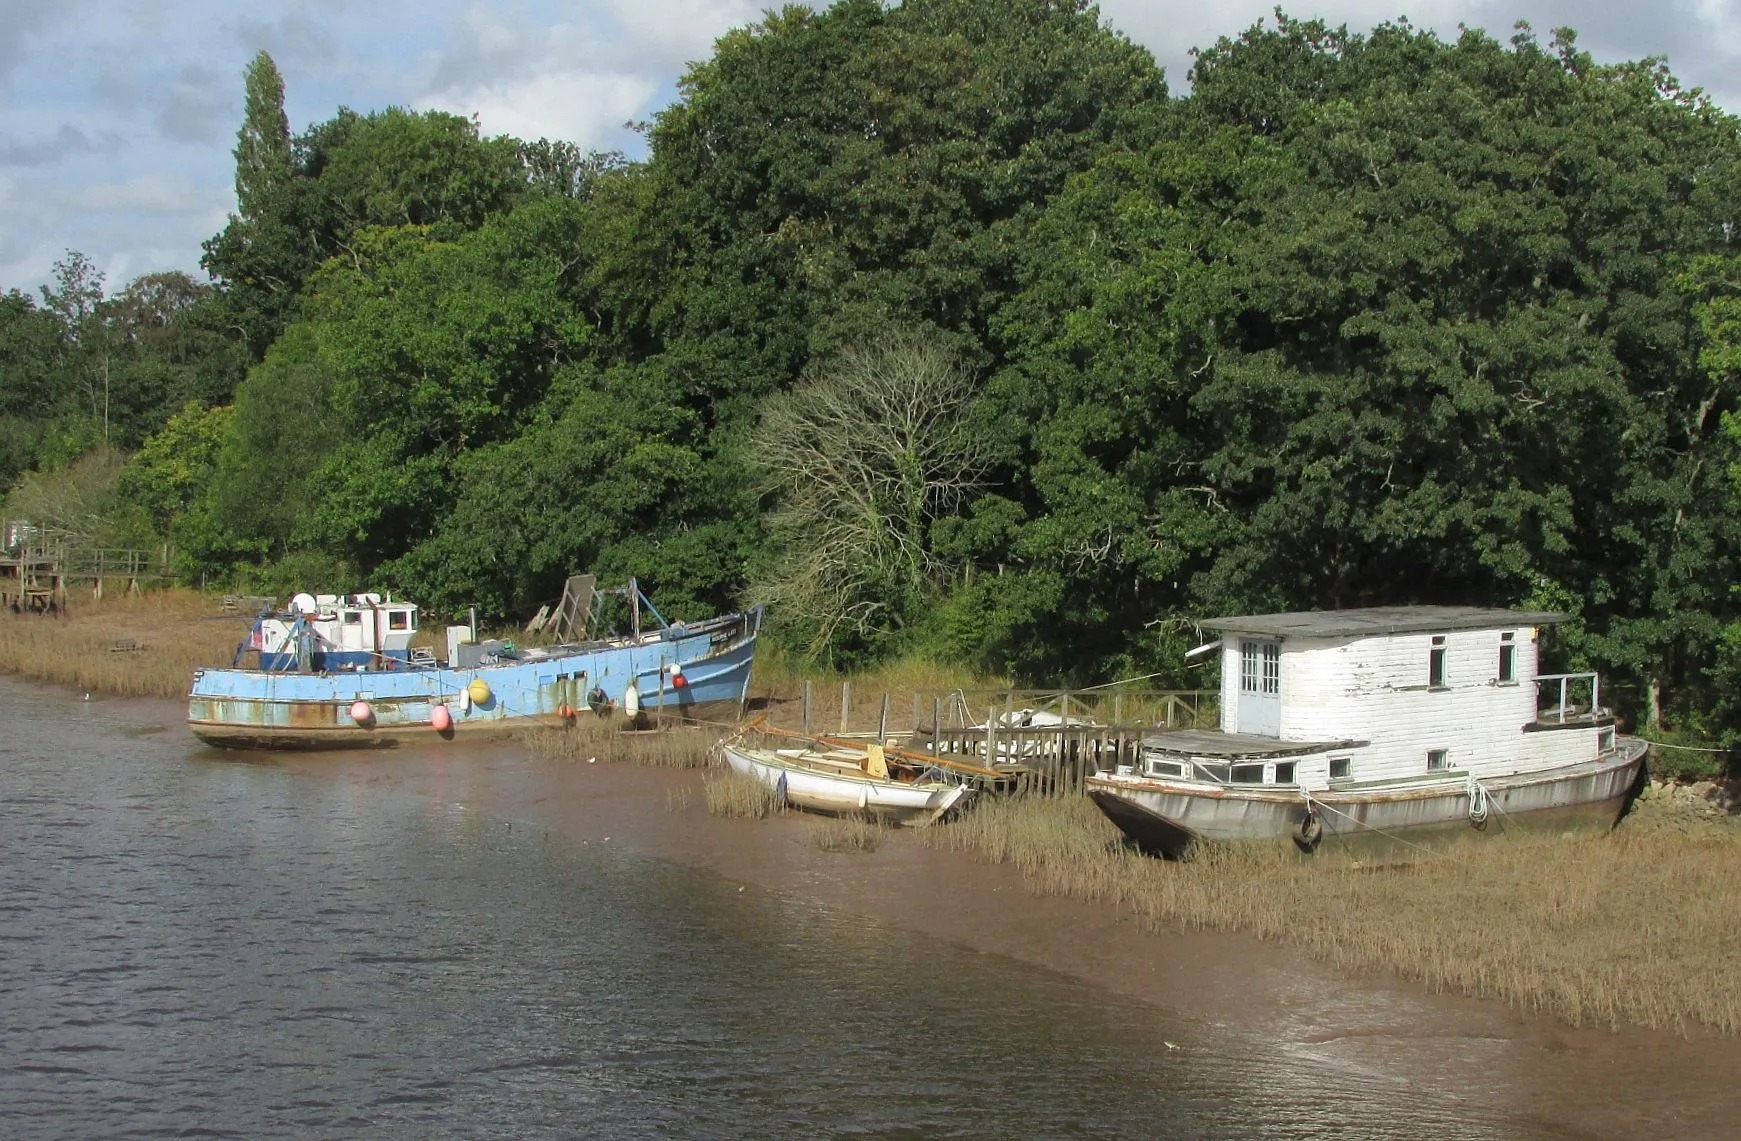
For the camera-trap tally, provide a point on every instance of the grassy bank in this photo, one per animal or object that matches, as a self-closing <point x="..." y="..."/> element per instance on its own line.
<point x="1637" y="926"/>
<point x="145" y="646"/>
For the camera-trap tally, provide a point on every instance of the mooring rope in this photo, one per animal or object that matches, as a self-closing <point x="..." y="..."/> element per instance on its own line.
<point x="1314" y="803"/>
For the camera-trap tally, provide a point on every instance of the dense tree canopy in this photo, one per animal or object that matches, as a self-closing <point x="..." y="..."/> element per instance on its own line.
<point x="1366" y="317"/>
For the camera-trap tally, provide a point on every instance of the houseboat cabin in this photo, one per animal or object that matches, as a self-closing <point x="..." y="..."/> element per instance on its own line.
<point x="1413" y="715"/>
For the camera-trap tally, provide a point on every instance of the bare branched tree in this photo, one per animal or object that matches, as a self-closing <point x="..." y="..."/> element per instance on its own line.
<point x="863" y="457"/>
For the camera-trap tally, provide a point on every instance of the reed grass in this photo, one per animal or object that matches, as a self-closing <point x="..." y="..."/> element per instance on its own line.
<point x="1637" y="926"/>
<point x="851" y="834"/>
<point x="175" y="631"/>
<point x="734" y="794"/>
<point x="678" y="799"/>
<point x="588" y="737"/>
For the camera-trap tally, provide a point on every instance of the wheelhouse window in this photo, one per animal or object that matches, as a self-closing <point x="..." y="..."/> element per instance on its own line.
<point x="353" y="618"/>
<point x="1248" y="774"/>
<point x="1285" y="772"/>
<point x="1341" y="768"/>
<point x="1605" y="741"/>
<point x="399" y="620"/>
<point x="1436" y="663"/>
<point x="1507" y="657"/>
<point x="1438" y="760"/>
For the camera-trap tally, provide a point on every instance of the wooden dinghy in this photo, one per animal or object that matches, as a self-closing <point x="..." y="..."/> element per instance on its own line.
<point x="844" y="780"/>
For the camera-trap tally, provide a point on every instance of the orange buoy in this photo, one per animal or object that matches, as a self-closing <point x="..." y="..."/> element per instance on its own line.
<point x="362" y="714"/>
<point x="440" y="719"/>
<point x="565" y="711"/>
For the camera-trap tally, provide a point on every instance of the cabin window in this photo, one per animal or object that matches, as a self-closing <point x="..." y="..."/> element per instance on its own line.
<point x="353" y="618"/>
<point x="1284" y="772"/>
<point x="1507" y="658"/>
<point x="1166" y="768"/>
<point x="1248" y="774"/>
<point x="1438" y="760"/>
<point x="1219" y="773"/>
<point x="1436" y="663"/>
<point x="399" y="620"/>
<point x="1605" y="741"/>
<point x="1341" y="768"/>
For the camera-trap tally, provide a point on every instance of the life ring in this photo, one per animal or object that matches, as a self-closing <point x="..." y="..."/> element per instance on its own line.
<point x="1308" y="832"/>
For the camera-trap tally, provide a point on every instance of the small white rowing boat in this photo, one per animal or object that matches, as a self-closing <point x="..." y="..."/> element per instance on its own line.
<point x="844" y="781"/>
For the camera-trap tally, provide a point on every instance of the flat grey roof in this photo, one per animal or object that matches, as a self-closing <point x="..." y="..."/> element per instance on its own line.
<point x="1377" y="620"/>
<point x="1234" y="746"/>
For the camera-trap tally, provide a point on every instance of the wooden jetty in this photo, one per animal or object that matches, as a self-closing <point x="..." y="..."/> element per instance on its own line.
<point x="37" y="566"/>
<point x="1036" y="740"/>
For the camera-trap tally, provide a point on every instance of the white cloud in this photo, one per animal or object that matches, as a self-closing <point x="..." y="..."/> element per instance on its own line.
<point x="582" y="107"/>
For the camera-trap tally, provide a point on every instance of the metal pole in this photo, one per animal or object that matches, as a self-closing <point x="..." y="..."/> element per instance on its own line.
<point x="845" y="704"/>
<point x="806" y="707"/>
<point x="936" y="724"/>
<point x="883" y="722"/>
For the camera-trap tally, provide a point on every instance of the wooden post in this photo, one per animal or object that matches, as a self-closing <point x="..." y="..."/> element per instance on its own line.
<point x="659" y="710"/>
<point x="845" y="704"/>
<point x="936" y="724"/>
<point x="1118" y="708"/>
<point x="883" y="723"/>
<point x="915" y="712"/>
<point x="807" y="707"/>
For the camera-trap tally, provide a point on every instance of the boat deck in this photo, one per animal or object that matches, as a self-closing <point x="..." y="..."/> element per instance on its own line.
<point x="1215" y="743"/>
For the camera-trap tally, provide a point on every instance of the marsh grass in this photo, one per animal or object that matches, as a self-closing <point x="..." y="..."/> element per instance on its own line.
<point x="733" y="794"/>
<point x="587" y="737"/>
<point x="849" y="834"/>
<point x="176" y="632"/>
<point x="1631" y="927"/>
<point x="679" y="799"/>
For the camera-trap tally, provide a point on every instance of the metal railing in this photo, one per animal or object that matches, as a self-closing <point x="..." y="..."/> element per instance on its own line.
<point x="1568" y="690"/>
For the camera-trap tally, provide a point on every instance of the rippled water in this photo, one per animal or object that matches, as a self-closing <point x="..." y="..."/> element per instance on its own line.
<point x="196" y="946"/>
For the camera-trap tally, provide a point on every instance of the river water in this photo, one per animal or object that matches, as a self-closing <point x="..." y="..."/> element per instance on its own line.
<point x="193" y="944"/>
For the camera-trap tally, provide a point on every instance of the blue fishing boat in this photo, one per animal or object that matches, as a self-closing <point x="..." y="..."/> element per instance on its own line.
<point x="339" y="671"/>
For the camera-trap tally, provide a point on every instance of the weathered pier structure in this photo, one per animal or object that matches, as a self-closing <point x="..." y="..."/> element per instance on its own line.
<point x="39" y="565"/>
<point x="1038" y="740"/>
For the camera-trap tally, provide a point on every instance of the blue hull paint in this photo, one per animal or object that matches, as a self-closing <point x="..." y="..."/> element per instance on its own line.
<point x="248" y="708"/>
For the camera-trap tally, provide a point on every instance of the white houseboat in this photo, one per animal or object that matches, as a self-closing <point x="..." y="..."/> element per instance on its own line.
<point x="1379" y="723"/>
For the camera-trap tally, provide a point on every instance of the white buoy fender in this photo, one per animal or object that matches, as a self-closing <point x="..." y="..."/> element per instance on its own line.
<point x="361" y="713"/>
<point x="440" y="719"/>
<point x="631" y="700"/>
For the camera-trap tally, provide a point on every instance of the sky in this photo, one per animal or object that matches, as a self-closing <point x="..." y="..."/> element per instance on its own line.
<point x="117" y="117"/>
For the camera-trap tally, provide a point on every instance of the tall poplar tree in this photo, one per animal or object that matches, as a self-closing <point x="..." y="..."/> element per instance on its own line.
<point x="263" y="158"/>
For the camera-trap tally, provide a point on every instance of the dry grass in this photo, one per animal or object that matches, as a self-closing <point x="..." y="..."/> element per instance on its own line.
<point x="735" y="794"/>
<point x="679" y="799"/>
<point x="777" y="688"/>
<point x="1637" y="926"/>
<point x="177" y="632"/>
<point x="588" y="737"/>
<point x="852" y="834"/>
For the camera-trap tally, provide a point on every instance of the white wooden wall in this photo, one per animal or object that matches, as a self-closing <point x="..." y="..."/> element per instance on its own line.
<point x="1375" y="689"/>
